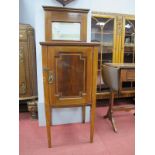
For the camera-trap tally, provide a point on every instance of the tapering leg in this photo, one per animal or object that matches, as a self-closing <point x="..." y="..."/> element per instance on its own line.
<point x="83" y="113"/>
<point x="109" y="112"/>
<point x="92" y="121"/>
<point x="48" y="125"/>
<point x="93" y="96"/>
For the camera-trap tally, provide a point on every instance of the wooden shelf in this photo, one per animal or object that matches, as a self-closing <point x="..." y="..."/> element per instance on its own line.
<point x="107" y="52"/>
<point x="96" y="33"/>
<point x="129" y="33"/>
<point x="103" y="32"/>
<point x="95" y="41"/>
<point x="132" y="52"/>
<point x="103" y="43"/>
<point x="106" y="44"/>
<point x="129" y="45"/>
<point x="106" y="61"/>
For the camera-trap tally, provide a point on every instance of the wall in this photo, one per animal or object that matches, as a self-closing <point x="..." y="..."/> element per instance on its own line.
<point x="31" y="12"/>
<point x="114" y="6"/>
<point x="27" y="11"/>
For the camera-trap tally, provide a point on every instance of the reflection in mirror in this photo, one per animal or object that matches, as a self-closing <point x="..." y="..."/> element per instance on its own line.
<point x="65" y="31"/>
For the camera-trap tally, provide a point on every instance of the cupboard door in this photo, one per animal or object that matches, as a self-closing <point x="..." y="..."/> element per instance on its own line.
<point x="70" y="75"/>
<point x="129" y="40"/>
<point x="24" y="82"/>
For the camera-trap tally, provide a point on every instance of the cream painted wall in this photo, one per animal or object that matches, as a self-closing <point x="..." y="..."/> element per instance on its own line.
<point x="27" y="12"/>
<point x="31" y="12"/>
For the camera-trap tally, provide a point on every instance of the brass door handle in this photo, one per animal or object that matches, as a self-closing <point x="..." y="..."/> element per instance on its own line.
<point x="50" y="77"/>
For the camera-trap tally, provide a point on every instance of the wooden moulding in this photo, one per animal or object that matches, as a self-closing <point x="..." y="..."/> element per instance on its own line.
<point x="49" y="43"/>
<point x="52" y="8"/>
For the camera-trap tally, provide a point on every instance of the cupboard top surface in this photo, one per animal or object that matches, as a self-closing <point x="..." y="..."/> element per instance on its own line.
<point x="48" y="43"/>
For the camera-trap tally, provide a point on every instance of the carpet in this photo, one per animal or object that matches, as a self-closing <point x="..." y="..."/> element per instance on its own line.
<point x="73" y="139"/>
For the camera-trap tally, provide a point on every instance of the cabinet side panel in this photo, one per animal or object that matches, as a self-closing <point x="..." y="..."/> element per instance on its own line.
<point x="45" y="74"/>
<point x="46" y="93"/>
<point x="24" y="79"/>
<point x="32" y="62"/>
<point x="22" y="73"/>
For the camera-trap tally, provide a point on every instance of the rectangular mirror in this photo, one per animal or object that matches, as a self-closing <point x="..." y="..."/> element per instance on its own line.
<point x="65" y="31"/>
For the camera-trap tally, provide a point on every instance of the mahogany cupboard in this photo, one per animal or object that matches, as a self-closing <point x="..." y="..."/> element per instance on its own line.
<point x="69" y="76"/>
<point x="27" y="68"/>
<point x="115" y="33"/>
<point x="69" y="63"/>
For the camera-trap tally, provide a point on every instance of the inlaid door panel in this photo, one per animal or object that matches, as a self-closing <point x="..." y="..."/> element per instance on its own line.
<point x="24" y="88"/>
<point x="70" y="70"/>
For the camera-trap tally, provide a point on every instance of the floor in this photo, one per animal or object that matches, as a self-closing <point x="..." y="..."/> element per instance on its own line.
<point x="73" y="139"/>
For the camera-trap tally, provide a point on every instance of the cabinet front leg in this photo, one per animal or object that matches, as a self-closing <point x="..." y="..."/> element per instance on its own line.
<point x="48" y="125"/>
<point x="92" y="121"/>
<point x="83" y="114"/>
